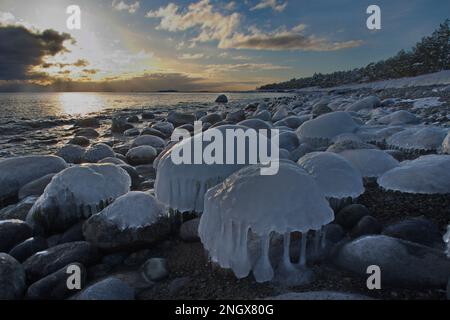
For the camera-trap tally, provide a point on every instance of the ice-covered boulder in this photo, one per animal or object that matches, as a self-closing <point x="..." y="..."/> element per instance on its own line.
<point x="75" y="194"/>
<point x="399" y="118"/>
<point x="418" y="139"/>
<point x="320" y="131"/>
<point x="249" y="207"/>
<point x="182" y="186"/>
<point x="133" y="220"/>
<point x="98" y="152"/>
<point x="377" y="134"/>
<point x="365" y="104"/>
<point x="372" y="163"/>
<point x="17" y="172"/>
<point x="281" y="113"/>
<point x="335" y="176"/>
<point x="427" y="175"/>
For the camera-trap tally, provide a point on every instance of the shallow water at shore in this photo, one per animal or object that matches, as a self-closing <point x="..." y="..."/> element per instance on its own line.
<point x="41" y="105"/>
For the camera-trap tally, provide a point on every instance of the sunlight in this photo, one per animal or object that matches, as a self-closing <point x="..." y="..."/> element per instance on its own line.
<point x="80" y="103"/>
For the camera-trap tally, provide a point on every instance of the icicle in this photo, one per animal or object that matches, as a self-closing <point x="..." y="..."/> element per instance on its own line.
<point x="317" y="236"/>
<point x="286" y="249"/>
<point x="303" y="241"/>
<point x="263" y="269"/>
<point x="323" y="238"/>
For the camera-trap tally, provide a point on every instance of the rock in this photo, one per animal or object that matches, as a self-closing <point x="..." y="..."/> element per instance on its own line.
<point x="301" y="151"/>
<point x="134" y="175"/>
<point x="46" y="262"/>
<point x="98" y="152"/>
<point x="165" y="127"/>
<point x="448" y="284"/>
<point x="320" y="296"/>
<point x="133" y="220"/>
<point x="87" y="133"/>
<point x="35" y="188"/>
<point x="189" y="230"/>
<point x="98" y="271"/>
<point x="18" y="211"/>
<point x="153" y="132"/>
<point x="53" y="241"/>
<point x="141" y="155"/>
<point x="108" y="289"/>
<point x="334" y="233"/>
<point x="13" y="232"/>
<point x="12" y="278"/>
<point x="418" y="230"/>
<point x="320" y="109"/>
<point x="148" y="115"/>
<point x="365" y="104"/>
<point x="112" y="160"/>
<point x="368" y="225"/>
<point x="293" y="122"/>
<point x="222" y="99"/>
<point x="236" y="116"/>
<point x="349" y="216"/>
<point x="263" y="115"/>
<point x="177" y="284"/>
<point x="280" y="114"/>
<point x="87" y="122"/>
<point x="73" y="234"/>
<point x="29" y="247"/>
<point x="72" y="153"/>
<point x="288" y="141"/>
<point x="212" y="118"/>
<point x="146" y="171"/>
<point x="79" y="141"/>
<point x="75" y="194"/>
<point x="149" y="140"/>
<point x="179" y="119"/>
<point x="137" y="258"/>
<point x="133" y="119"/>
<point x="17" y="172"/>
<point x="200" y="114"/>
<point x="114" y="259"/>
<point x="54" y="286"/>
<point x="403" y="264"/>
<point x="155" y="269"/>
<point x="132" y="132"/>
<point x="120" y="125"/>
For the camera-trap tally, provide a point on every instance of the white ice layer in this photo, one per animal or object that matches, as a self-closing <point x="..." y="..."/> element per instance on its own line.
<point x="426" y="175"/>
<point x="370" y="162"/>
<point x="286" y="202"/>
<point x="337" y="177"/>
<point x="446" y="144"/>
<point x="418" y="138"/>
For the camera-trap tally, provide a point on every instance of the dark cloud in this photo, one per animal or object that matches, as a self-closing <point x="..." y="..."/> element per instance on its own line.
<point x="91" y="71"/>
<point x="79" y="63"/>
<point x="21" y="49"/>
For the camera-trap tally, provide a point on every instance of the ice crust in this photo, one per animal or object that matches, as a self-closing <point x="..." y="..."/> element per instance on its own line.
<point x="418" y="138"/>
<point x="370" y="162"/>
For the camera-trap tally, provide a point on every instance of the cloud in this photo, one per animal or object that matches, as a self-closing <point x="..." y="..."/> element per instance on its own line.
<point x="248" y="67"/>
<point x="264" y="4"/>
<point x="225" y="28"/>
<point x="7" y="18"/>
<point x="123" y="6"/>
<point x="189" y="56"/>
<point x="213" y="25"/>
<point x="22" y="49"/>
<point x="79" y="63"/>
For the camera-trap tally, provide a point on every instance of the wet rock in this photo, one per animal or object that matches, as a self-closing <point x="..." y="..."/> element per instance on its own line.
<point x="88" y="133"/>
<point x="236" y="116"/>
<point x="418" y="230"/>
<point x="222" y="99"/>
<point x="114" y="259"/>
<point x="73" y="234"/>
<point x="153" y="132"/>
<point x="179" y="119"/>
<point x="134" y="175"/>
<point x="35" y="188"/>
<point x="404" y="264"/>
<point x="368" y="225"/>
<point x="18" y="211"/>
<point x="54" y="286"/>
<point x="149" y="140"/>
<point x="212" y="118"/>
<point x="79" y="141"/>
<point x="137" y="258"/>
<point x="164" y="127"/>
<point x="53" y="241"/>
<point x="44" y="263"/>
<point x="29" y="247"/>
<point x="120" y="125"/>
<point x="155" y="269"/>
<point x="72" y="153"/>
<point x="13" y="232"/>
<point x="148" y="115"/>
<point x="112" y="160"/>
<point x="189" y="230"/>
<point x="98" y="152"/>
<point x="133" y="119"/>
<point x="12" y="278"/>
<point x="88" y="122"/>
<point x="132" y="132"/>
<point x="108" y="289"/>
<point x="349" y="216"/>
<point x="263" y="115"/>
<point x="141" y="155"/>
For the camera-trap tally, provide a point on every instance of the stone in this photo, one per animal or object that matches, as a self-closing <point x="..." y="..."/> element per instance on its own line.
<point x="211" y="118"/>
<point x="350" y="215"/>
<point x="366" y="226"/>
<point x="79" y="141"/>
<point x="35" y="188"/>
<point x="148" y="115"/>
<point x="120" y="125"/>
<point x="72" y="153"/>
<point x="132" y="132"/>
<point x="404" y="264"/>
<point x="98" y="152"/>
<point x="179" y="119"/>
<point x="133" y="119"/>
<point x="236" y="116"/>
<point x="18" y="211"/>
<point x="12" y="278"/>
<point x="88" y="122"/>
<point x="46" y="262"/>
<point x="222" y="99"/>
<point x="73" y="234"/>
<point x="88" y="133"/>
<point x="320" y="109"/>
<point x="13" y="232"/>
<point x="149" y="140"/>
<point x="141" y="155"/>
<point x="155" y="269"/>
<point x="29" y="247"/>
<point x="189" y="230"/>
<point x="54" y="286"/>
<point x="153" y="132"/>
<point x="108" y="289"/>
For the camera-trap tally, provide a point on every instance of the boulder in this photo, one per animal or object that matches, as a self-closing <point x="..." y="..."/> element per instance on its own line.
<point x="12" y="278"/>
<point x="13" y="232"/>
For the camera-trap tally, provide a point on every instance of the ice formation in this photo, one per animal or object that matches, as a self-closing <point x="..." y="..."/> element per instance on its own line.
<point x="182" y="186"/>
<point x="446" y="144"/>
<point x="377" y="134"/>
<point x="398" y="118"/>
<point x="321" y="131"/>
<point x="447" y="240"/>
<point x="372" y="163"/>
<point x="77" y="193"/>
<point x="418" y="138"/>
<point x="250" y="207"/>
<point x="365" y="104"/>
<point x="17" y="172"/>
<point x="425" y="175"/>
<point x="336" y="177"/>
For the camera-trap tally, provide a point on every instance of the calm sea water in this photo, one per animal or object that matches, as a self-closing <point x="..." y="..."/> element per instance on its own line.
<point x="41" y="105"/>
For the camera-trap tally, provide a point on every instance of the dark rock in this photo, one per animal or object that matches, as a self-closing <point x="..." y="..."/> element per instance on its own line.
<point x="53" y="240"/>
<point x="12" y="278"/>
<point x="153" y="132"/>
<point x="18" y="211"/>
<point x="236" y="116"/>
<point x="148" y="115"/>
<point x="155" y="269"/>
<point x="165" y="127"/>
<point x="179" y="119"/>
<point x="79" y="141"/>
<point x="418" y="230"/>
<point x="189" y="230"/>
<point x="35" y="188"/>
<point x="212" y="118"/>
<point x="73" y="234"/>
<point x="320" y="109"/>
<point x="141" y="155"/>
<point x="177" y="284"/>
<point x="54" y="286"/>
<point x="133" y="119"/>
<point x="368" y="225"/>
<point x="98" y="271"/>
<point x="87" y="122"/>
<point x="200" y="114"/>
<point x="40" y="265"/>
<point x="404" y="264"/>
<point x="132" y="132"/>
<point x="134" y="175"/>
<point x="29" y="247"/>
<point x="115" y="259"/>
<point x="88" y="133"/>
<point x="98" y="152"/>
<point x="13" y="232"/>
<point x="72" y="153"/>
<point x="108" y="289"/>
<point x="349" y="216"/>
<point x="288" y="141"/>
<point x="120" y="125"/>
<point x="222" y="99"/>
<point x="137" y="258"/>
<point x="334" y="233"/>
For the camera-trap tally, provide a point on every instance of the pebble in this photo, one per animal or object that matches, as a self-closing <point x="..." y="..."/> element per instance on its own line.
<point x="155" y="269"/>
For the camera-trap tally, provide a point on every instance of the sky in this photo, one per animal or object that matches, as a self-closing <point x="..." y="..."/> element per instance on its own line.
<point x="199" y="45"/>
